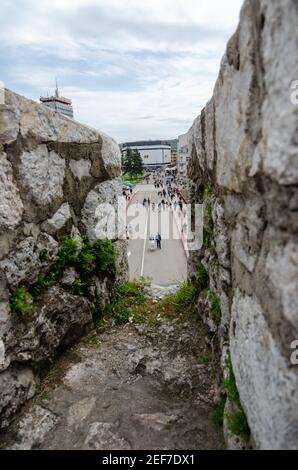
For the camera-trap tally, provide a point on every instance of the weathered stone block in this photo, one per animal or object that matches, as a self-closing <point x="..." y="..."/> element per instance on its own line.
<point x="11" y="206"/>
<point x="24" y="263"/>
<point x="268" y="388"/>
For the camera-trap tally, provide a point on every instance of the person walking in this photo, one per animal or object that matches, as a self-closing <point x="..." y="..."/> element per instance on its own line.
<point x="158" y="241"/>
<point x="130" y="230"/>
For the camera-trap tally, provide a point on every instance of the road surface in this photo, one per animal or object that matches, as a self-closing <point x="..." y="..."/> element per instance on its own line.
<point x="166" y="266"/>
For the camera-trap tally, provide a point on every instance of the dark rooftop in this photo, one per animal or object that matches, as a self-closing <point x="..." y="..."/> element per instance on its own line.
<point x="146" y="142"/>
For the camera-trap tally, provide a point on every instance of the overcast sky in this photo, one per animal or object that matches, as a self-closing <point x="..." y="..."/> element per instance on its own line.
<point x="134" y="69"/>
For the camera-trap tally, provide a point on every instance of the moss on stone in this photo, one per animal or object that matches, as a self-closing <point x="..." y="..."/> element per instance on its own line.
<point x="237" y="421"/>
<point x="21" y="301"/>
<point x="215" y="309"/>
<point x="89" y="259"/>
<point x="202" y="278"/>
<point x="238" y="425"/>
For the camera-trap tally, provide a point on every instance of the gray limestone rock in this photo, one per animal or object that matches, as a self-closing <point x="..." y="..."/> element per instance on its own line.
<point x="245" y="148"/>
<point x="61" y="220"/>
<point x="33" y="428"/>
<point x="58" y="320"/>
<point x="267" y="386"/>
<point x="17" y="385"/>
<point x="51" y="169"/>
<point x="99" y="214"/>
<point x="80" y="168"/>
<point x="11" y="206"/>
<point x="24" y="264"/>
<point x="42" y="175"/>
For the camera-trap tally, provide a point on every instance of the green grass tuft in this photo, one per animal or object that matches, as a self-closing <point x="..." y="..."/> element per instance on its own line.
<point x="126" y="302"/>
<point x="88" y="259"/>
<point x="238" y="425"/>
<point x="237" y="422"/>
<point x="230" y="383"/>
<point x="132" y="179"/>
<point x="215" y="309"/>
<point x="44" y="255"/>
<point x="21" y="301"/>
<point x="185" y="299"/>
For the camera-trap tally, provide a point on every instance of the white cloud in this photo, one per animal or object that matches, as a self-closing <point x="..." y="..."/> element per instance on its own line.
<point x="134" y="69"/>
<point x="162" y="110"/>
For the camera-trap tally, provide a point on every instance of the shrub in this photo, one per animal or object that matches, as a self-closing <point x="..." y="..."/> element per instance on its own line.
<point x="89" y="259"/>
<point x="21" y="301"/>
<point x="126" y="301"/>
<point x="86" y="259"/>
<point x="105" y="256"/>
<point x="97" y="258"/>
<point x="42" y="283"/>
<point x="67" y="254"/>
<point x="68" y="251"/>
<point x="185" y="299"/>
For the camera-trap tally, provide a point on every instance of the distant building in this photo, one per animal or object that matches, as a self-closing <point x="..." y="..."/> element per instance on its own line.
<point x="183" y="153"/>
<point x="58" y="103"/>
<point x="155" y="154"/>
<point x="174" y="157"/>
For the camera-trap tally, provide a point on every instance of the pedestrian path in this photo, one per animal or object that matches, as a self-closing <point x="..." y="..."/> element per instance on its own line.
<point x="166" y="266"/>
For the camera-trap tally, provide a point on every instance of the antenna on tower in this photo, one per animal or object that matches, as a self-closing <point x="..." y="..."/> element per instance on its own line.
<point x="57" y="90"/>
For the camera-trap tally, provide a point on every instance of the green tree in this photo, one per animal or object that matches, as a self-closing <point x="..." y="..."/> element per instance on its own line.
<point x="132" y="163"/>
<point x="127" y="162"/>
<point x="137" y="163"/>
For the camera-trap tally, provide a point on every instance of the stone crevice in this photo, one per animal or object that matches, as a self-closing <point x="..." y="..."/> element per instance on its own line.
<point x="254" y="181"/>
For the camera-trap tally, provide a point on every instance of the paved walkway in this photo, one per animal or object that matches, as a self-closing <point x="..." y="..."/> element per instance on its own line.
<point x="166" y="266"/>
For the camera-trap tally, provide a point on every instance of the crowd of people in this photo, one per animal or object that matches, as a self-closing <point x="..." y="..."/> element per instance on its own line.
<point x="167" y="197"/>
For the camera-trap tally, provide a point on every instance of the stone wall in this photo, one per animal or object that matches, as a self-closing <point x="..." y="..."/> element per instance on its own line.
<point x="53" y="174"/>
<point x="244" y="167"/>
